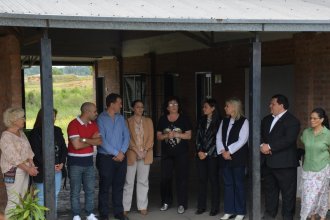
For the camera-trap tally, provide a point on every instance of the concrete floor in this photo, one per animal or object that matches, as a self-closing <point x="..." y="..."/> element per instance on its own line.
<point x="154" y="201"/>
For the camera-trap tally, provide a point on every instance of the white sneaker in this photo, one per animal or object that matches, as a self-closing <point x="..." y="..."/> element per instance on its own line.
<point x="91" y="217"/>
<point x="239" y="217"/>
<point x="164" y="207"/>
<point x="181" y="209"/>
<point x="226" y="216"/>
<point x="76" y="217"/>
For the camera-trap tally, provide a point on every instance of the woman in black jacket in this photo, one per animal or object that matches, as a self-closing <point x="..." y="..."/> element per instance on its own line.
<point x="61" y="152"/>
<point x="207" y="160"/>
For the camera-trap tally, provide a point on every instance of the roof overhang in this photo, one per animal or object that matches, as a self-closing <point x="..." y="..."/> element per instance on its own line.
<point x="148" y="24"/>
<point x="169" y="15"/>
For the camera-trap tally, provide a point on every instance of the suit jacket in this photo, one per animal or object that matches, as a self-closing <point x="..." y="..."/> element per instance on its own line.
<point x="148" y="141"/>
<point x="282" y="139"/>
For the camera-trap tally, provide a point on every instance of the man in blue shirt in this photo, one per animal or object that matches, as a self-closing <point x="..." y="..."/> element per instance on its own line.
<point x="111" y="161"/>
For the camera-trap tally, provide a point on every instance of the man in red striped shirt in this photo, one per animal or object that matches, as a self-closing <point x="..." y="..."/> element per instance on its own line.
<point x="83" y="135"/>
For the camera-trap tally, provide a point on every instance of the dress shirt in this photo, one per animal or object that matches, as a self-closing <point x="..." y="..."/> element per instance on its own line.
<point x="114" y="133"/>
<point x="242" y="139"/>
<point x="276" y="118"/>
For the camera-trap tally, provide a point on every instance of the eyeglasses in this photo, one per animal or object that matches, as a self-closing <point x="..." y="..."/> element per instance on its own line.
<point x="173" y="104"/>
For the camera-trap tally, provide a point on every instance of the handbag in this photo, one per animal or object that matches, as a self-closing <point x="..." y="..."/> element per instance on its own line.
<point x="9" y="176"/>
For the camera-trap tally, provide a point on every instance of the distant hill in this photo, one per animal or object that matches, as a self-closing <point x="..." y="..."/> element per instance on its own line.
<point x="73" y="70"/>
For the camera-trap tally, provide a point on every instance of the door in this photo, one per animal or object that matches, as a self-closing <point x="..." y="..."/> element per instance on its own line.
<point x="203" y="90"/>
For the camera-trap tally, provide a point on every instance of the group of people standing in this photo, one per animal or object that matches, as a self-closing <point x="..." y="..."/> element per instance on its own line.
<point x="125" y="151"/>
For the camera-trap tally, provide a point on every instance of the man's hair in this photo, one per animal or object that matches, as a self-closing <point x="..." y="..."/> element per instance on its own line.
<point x="111" y="98"/>
<point x="86" y="106"/>
<point x="282" y="100"/>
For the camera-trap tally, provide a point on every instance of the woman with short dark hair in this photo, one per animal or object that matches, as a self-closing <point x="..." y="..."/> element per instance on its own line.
<point x="174" y="131"/>
<point x="316" y="170"/>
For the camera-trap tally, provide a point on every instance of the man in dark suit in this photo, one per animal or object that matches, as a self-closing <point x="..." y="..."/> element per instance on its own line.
<point x="279" y="162"/>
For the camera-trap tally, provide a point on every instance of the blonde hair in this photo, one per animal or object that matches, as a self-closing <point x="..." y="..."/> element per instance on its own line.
<point x="11" y="115"/>
<point x="238" y="107"/>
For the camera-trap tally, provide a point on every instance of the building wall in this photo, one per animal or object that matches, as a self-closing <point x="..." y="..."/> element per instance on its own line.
<point x="230" y="62"/>
<point x="312" y="73"/>
<point x="108" y="68"/>
<point x="10" y="87"/>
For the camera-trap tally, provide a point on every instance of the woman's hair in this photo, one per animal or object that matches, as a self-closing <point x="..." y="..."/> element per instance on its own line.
<point x="134" y="103"/>
<point x="38" y="122"/>
<point x="11" y="115"/>
<point x="238" y="107"/>
<point x="169" y="99"/>
<point x="216" y="112"/>
<point x="321" y="113"/>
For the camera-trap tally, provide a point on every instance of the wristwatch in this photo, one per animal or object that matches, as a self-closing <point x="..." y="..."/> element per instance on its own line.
<point x="83" y="140"/>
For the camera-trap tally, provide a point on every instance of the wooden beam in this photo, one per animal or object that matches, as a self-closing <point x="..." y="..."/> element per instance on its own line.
<point x="48" y="144"/>
<point x="254" y="138"/>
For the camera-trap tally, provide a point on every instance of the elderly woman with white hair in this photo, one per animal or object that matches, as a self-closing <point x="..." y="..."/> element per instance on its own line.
<point x="16" y="156"/>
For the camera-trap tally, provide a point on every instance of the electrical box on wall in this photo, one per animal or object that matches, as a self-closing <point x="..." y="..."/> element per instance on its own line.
<point x="217" y="78"/>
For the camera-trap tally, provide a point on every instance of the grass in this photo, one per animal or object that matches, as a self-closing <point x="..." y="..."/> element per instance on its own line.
<point x="69" y="92"/>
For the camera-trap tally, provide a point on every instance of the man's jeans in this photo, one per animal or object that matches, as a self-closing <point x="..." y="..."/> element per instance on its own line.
<point x="85" y="176"/>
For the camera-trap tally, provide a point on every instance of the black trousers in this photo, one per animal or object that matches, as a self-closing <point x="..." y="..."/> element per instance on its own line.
<point x="284" y="181"/>
<point x="112" y="174"/>
<point x="208" y="170"/>
<point x="180" y="165"/>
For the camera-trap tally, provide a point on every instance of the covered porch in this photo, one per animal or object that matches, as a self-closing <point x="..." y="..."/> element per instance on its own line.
<point x="189" y="48"/>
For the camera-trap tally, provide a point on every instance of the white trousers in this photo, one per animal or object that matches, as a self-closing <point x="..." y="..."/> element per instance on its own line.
<point x="142" y="185"/>
<point x="20" y="186"/>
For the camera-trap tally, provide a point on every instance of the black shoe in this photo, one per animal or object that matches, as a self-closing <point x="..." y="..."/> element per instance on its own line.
<point x="199" y="211"/>
<point x="214" y="212"/>
<point x="121" y="217"/>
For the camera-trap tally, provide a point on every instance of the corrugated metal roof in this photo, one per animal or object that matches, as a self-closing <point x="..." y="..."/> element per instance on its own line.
<point x="242" y="15"/>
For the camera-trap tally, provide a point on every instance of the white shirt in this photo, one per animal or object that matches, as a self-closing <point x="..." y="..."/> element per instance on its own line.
<point x="276" y="118"/>
<point x="242" y="138"/>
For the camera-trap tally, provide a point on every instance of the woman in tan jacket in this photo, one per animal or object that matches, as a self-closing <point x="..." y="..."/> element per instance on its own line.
<point x="139" y="157"/>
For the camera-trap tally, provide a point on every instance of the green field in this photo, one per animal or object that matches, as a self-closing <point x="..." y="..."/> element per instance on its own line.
<point x="70" y="91"/>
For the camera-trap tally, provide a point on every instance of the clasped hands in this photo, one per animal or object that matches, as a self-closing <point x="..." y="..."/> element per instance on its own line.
<point x="226" y="155"/>
<point x="265" y="149"/>
<point x="201" y="155"/>
<point x="120" y="157"/>
<point x="173" y="134"/>
<point x="141" y="154"/>
<point x="58" y="167"/>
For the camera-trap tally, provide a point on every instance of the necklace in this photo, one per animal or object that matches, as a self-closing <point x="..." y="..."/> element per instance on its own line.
<point x="138" y="121"/>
